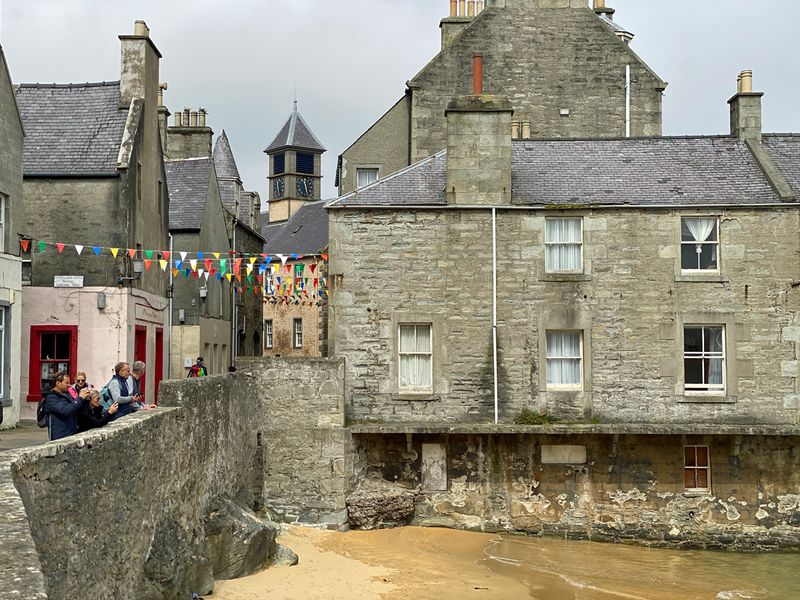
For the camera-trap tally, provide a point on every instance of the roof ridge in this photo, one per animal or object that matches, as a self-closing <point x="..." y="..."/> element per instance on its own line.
<point x="175" y="160"/>
<point x="67" y="85"/>
<point x="714" y="136"/>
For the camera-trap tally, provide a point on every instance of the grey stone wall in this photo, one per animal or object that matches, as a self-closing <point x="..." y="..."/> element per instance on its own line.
<point x="250" y="311"/>
<point x="188" y="142"/>
<point x="10" y="160"/>
<point x="306" y="458"/>
<point x="630" y="305"/>
<point x="133" y="510"/>
<point x="631" y="489"/>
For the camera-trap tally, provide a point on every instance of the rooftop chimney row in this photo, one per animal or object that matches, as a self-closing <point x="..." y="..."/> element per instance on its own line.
<point x="190" y="118"/>
<point x="466" y="8"/>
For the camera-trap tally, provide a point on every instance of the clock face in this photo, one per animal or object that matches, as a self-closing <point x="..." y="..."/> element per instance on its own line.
<point x="278" y="187"/>
<point x="305" y="187"/>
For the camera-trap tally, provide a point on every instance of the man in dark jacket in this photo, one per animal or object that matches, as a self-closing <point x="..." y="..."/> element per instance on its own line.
<point x="62" y="409"/>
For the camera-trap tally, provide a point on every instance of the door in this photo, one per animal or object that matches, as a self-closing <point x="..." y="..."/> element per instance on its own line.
<point x="53" y="348"/>
<point x="158" y="372"/>
<point x="140" y="353"/>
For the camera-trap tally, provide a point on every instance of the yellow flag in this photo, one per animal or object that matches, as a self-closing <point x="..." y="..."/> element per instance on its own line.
<point x="216" y="255"/>
<point x="163" y="265"/>
<point x="252" y="260"/>
<point x="229" y="276"/>
<point x="114" y="252"/>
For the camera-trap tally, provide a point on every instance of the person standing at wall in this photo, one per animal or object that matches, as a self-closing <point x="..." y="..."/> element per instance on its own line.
<point x="120" y="392"/>
<point x="91" y="415"/>
<point x="198" y="369"/>
<point x="80" y="383"/>
<point x="135" y="385"/>
<point x="62" y="409"/>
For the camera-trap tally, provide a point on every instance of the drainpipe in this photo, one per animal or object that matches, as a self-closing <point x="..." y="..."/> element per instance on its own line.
<point x="234" y="335"/>
<point x="494" y="311"/>
<point x="627" y="101"/>
<point x="169" y="318"/>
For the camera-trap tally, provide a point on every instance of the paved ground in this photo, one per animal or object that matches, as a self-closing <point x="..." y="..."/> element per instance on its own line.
<point x="27" y="434"/>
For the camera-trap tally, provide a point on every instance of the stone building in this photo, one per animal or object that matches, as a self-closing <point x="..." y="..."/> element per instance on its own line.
<point x="564" y="67"/>
<point x="201" y="308"/>
<point x="12" y="134"/>
<point x="595" y="337"/>
<point x="95" y="200"/>
<point x="296" y="315"/>
<point x="295" y="308"/>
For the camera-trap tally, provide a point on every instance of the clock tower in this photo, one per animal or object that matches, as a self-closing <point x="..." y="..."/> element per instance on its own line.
<point x="295" y="168"/>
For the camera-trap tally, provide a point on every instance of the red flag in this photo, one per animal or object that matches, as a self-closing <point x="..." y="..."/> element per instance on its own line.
<point x="24" y="243"/>
<point x="60" y="247"/>
<point x="165" y="255"/>
<point x="324" y="257"/>
<point x="313" y="267"/>
<point x="147" y="264"/>
<point x="208" y="263"/>
<point x="132" y="252"/>
<point x="237" y="265"/>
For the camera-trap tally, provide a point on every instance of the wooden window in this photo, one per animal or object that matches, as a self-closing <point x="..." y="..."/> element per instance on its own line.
<point x="416" y="357"/>
<point x="564" y="359"/>
<point x="700" y="244"/>
<point x="563" y="241"/>
<point x="298" y="333"/>
<point x="268" y="333"/>
<point x="704" y="358"/>
<point x="696" y="468"/>
<point x="366" y="176"/>
<point x="52" y="349"/>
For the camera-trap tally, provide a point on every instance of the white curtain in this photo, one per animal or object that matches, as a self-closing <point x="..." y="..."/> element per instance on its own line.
<point x="366" y="176"/>
<point x="415" y="356"/>
<point x="700" y="228"/>
<point x="563" y="358"/>
<point x="563" y="248"/>
<point x="715" y="345"/>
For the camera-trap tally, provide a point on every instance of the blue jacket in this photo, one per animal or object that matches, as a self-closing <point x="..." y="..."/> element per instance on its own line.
<point x="62" y="410"/>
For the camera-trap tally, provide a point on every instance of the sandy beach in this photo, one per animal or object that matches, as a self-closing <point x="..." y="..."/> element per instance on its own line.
<point x="391" y="564"/>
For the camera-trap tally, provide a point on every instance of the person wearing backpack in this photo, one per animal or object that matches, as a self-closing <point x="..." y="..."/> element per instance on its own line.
<point x="61" y="408"/>
<point x="120" y="392"/>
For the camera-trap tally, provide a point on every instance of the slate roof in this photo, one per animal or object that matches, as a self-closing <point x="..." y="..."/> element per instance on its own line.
<point x="224" y="161"/>
<point x="305" y="233"/>
<point x="718" y="170"/>
<point x="296" y="134"/>
<point x="71" y="129"/>
<point x="615" y="27"/>
<point x="785" y="151"/>
<point x="187" y="182"/>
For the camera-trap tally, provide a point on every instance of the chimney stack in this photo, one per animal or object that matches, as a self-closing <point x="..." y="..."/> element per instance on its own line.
<point x="139" y="68"/>
<point x="179" y="119"/>
<point x="479" y="146"/>
<point x="746" y="109"/>
<point x="601" y="9"/>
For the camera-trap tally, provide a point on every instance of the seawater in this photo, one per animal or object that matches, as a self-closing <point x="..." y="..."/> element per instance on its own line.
<point x="573" y="570"/>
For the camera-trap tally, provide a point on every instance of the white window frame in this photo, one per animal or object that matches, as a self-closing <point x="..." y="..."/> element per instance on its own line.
<point x="360" y="170"/>
<point x="4" y="327"/>
<point x="268" y="334"/>
<point x="705" y="388"/>
<point x="694" y="243"/>
<point x="297" y="330"/>
<point x="550" y="243"/>
<point x="414" y="389"/>
<point x="3" y="204"/>
<point x="548" y="358"/>
<point x="707" y="468"/>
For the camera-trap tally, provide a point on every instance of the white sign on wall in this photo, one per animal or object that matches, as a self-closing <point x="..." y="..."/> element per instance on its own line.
<point x="68" y="281"/>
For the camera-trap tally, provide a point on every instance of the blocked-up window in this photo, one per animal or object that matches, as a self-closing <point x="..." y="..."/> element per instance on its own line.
<point x="699" y="244"/>
<point x="704" y="358"/>
<point x="564" y="359"/>
<point x="365" y="176"/>
<point x="696" y="468"/>
<point x="563" y="245"/>
<point x="415" y="349"/>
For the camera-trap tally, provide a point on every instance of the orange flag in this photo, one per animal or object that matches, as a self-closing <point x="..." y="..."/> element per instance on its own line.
<point x="132" y="252"/>
<point x="24" y="243"/>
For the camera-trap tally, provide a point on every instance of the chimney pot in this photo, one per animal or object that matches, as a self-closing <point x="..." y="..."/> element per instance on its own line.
<point x="514" y="130"/>
<point x="161" y="88"/>
<point x="462" y="8"/>
<point x="598" y="4"/>
<point x="470" y="8"/>
<point x="193" y="122"/>
<point x="453" y="8"/>
<point x="526" y="130"/>
<point x="479" y="7"/>
<point x="186" y="117"/>
<point x="202" y="117"/>
<point x="178" y="119"/>
<point x="477" y="74"/>
<point x="746" y="78"/>
<point x="141" y="28"/>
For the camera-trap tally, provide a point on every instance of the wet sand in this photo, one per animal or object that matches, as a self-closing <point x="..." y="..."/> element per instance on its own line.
<point x="443" y="564"/>
<point x="391" y="564"/>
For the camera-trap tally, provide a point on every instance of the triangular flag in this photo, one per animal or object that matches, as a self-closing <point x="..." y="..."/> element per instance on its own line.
<point x="148" y="254"/>
<point x="249" y="268"/>
<point x="42" y="246"/>
<point x="239" y="277"/>
<point x="249" y="279"/>
<point x="193" y="264"/>
<point x="163" y="264"/>
<point x="194" y="274"/>
<point x="183" y="255"/>
<point x="237" y="265"/>
<point x="295" y="256"/>
<point x="208" y="264"/>
<point x="60" y="247"/>
<point x="199" y="256"/>
<point x="216" y="255"/>
<point x="223" y="264"/>
<point x="165" y="254"/>
<point x="228" y="276"/>
<point x="283" y="258"/>
<point x="175" y="272"/>
<point x="178" y="264"/>
<point x="200" y="272"/>
<point x="316" y="282"/>
<point x="186" y="272"/>
<point x="97" y="250"/>
<point x="312" y="266"/>
<point x="147" y="264"/>
<point x="324" y="257"/>
<point x="218" y="276"/>
<point x="132" y="252"/>
<point x="114" y="252"/>
<point x="288" y="268"/>
<point x="206" y="275"/>
<point x="24" y="243"/>
<point x="78" y="248"/>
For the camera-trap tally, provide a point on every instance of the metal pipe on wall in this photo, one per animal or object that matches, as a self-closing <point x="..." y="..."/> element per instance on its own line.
<point x="494" y="313"/>
<point x="627" y="101"/>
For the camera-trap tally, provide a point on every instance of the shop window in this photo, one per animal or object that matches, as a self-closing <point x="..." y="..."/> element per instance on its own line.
<point x="53" y="349"/>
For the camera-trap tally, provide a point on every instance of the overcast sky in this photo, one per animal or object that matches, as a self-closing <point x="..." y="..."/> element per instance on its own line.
<point x="349" y="59"/>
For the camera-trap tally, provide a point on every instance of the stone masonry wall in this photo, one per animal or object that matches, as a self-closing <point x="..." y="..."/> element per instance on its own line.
<point x="628" y="490"/>
<point x="630" y="305"/>
<point x="123" y="511"/>
<point x="306" y="465"/>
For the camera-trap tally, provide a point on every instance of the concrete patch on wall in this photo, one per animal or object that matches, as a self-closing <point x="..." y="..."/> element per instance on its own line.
<point x="563" y="455"/>
<point x="434" y="467"/>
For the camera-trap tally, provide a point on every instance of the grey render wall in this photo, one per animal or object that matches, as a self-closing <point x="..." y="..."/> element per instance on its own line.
<point x="306" y="454"/>
<point x="188" y="142"/>
<point x="100" y="503"/>
<point x="10" y="160"/>
<point x="250" y="311"/>
<point x="544" y="56"/>
<point x="383" y="146"/>
<point x="631" y="305"/>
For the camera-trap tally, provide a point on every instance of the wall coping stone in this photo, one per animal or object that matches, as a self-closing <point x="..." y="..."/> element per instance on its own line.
<point x="578" y="429"/>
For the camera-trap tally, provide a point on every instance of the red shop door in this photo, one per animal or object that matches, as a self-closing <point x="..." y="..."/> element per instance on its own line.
<point x="140" y="351"/>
